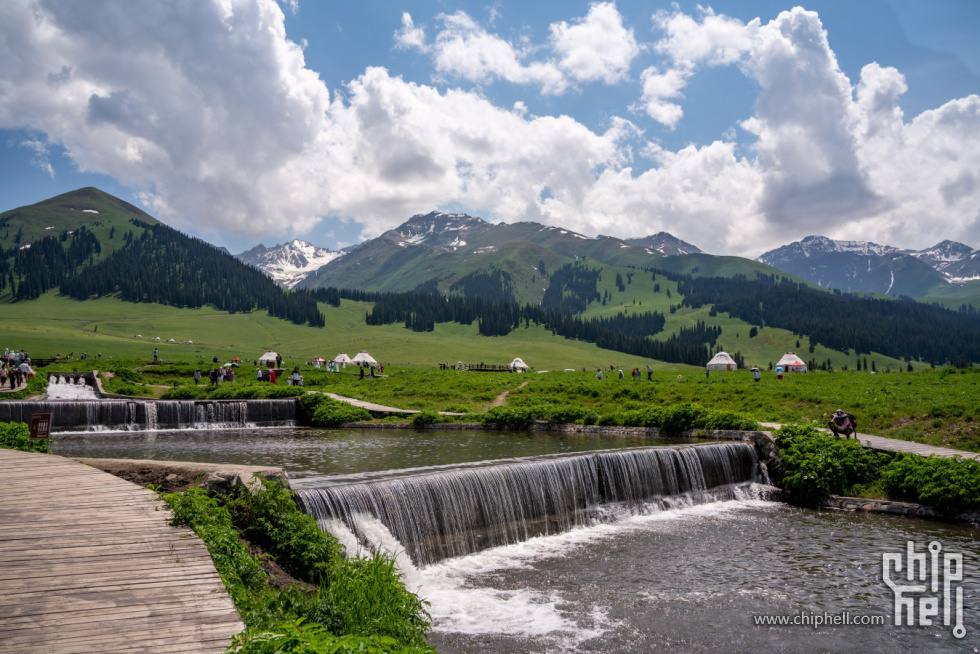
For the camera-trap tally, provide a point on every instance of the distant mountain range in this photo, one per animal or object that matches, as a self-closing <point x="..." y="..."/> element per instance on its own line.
<point x="863" y="266"/>
<point x="444" y="248"/>
<point x="289" y="263"/>
<point x="616" y="293"/>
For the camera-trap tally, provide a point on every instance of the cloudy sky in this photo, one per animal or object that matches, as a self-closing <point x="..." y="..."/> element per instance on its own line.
<point x="737" y="126"/>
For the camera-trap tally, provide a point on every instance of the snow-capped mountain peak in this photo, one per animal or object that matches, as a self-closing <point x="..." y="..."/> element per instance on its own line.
<point x="437" y="229"/>
<point x="288" y="264"/>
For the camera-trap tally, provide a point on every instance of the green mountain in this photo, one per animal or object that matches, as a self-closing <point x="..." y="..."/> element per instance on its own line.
<point x="88" y="244"/>
<point x="442" y="249"/>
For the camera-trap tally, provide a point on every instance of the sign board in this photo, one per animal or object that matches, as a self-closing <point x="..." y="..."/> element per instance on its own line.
<point x="40" y="426"/>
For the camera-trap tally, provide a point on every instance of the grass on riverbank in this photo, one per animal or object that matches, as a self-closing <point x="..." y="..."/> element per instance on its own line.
<point x="347" y="605"/>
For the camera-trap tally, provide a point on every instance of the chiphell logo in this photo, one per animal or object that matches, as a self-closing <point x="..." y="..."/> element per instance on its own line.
<point x="939" y="593"/>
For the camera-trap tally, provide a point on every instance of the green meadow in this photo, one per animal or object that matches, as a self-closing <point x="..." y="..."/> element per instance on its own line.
<point x="124" y="330"/>
<point x="937" y="406"/>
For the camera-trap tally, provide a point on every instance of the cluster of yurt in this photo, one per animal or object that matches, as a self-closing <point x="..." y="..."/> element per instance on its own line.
<point x="789" y="363"/>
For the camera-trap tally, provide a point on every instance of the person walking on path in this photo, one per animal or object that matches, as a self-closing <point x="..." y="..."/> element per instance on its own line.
<point x="649" y="373"/>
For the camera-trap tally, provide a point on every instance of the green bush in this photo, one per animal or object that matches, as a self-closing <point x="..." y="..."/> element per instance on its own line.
<point x="16" y="436"/>
<point x="812" y="465"/>
<point x="426" y="417"/>
<point x="951" y="485"/>
<point x="271" y="520"/>
<point x="327" y="412"/>
<point x="186" y="393"/>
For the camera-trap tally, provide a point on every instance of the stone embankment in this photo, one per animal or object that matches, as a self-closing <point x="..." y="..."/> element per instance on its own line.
<point x="179" y="475"/>
<point x="908" y="509"/>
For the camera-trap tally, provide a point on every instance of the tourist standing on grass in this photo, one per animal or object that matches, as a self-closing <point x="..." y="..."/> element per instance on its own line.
<point x="361" y="368"/>
<point x="258" y="374"/>
<point x="756" y="376"/>
<point x="598" y="374"/>
<point x="197" y="376"/>
<point x="3" y="376"/>
<point x="649" y="373"/>
<point x="156" y="355"/>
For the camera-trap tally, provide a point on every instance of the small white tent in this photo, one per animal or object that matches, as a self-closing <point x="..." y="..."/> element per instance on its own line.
<point x="722" y="361"/>
<point x="518" y="364"/>
<point x="791" y="363"/>
<point x="364" y="359"/>
<point x="268" y="359"/>
<point x="342" y="358"/>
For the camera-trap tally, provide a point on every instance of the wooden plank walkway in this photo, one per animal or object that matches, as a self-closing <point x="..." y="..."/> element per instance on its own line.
<point x="88" y="563"/>
<point x="895" y="445"/>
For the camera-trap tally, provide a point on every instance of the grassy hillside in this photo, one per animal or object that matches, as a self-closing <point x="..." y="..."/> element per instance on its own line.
<point x="89" y="207"/>
<point x="56" y="324"/>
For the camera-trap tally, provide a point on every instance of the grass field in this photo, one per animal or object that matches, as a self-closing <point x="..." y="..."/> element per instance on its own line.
<point x="54" y="324"/>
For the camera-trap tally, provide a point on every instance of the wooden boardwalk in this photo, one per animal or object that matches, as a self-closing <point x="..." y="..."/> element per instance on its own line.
<point x="88" y="563"/>
<point x="894" y="445"/>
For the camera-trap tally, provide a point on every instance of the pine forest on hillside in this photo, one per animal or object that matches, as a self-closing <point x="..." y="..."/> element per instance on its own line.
<point x="121" y="252"/>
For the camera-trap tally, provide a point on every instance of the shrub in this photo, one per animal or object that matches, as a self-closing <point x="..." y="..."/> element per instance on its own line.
<point x="327" y="412"/>
<point x="16" y="436"/>
<point x="427" y="417"/>
<point x="949" y="485"/>
<point x="185" y="393"/>
<point x="813" y="465"/>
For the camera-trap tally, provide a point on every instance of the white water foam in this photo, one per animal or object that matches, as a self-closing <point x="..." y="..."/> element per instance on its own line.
<point x="457" y="606"/>
<point x="64" y="389"/>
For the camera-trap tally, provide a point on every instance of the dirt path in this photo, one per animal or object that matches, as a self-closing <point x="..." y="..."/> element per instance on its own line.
<point x="500" y="399"/>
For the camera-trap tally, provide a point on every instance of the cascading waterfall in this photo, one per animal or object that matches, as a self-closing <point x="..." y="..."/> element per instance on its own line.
<point x="136" y="415"/>
<point x="449" y="513"/>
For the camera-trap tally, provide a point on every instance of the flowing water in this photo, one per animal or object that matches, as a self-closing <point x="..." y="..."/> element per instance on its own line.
<point x="65" y="388"/>
<point x="622" y="568"/>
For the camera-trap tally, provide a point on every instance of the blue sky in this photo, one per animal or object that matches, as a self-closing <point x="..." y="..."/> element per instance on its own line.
<point x="738" y="126"/>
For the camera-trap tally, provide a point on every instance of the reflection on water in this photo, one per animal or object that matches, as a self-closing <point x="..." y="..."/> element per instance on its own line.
<point x="316" y="452"/>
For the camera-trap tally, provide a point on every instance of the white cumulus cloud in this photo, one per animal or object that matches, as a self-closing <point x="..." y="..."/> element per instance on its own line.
<point x="212" y="113"/>
<point x="596" y="48"/>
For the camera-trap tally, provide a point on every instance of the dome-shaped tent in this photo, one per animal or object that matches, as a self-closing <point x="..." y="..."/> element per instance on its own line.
<point x="722" y="361"/>
<point x="342" y="358"/>
<point x="518" y="364"/>
<point x="364" y="359"/>
<point x="268" y="359"/>
<point x="791" y="363"/>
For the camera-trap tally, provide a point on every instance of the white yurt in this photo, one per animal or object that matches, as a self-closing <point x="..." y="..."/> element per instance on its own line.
<point x="791" y="363"/>
<point x="267" y="359"/>
<point x="342" y="358"/>
<point x="722" y="361"/>
<point x="518" y="364"/>
<point x="364" y="359"/>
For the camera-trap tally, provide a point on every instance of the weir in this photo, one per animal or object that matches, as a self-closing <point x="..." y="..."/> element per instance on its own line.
<point x="136" y="415"/>
<point x="448" y="513"/>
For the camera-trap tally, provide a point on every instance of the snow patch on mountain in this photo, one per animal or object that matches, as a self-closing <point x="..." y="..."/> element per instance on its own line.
<point x="290" y="263"/>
